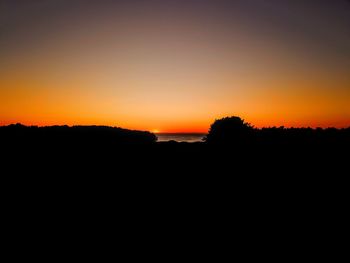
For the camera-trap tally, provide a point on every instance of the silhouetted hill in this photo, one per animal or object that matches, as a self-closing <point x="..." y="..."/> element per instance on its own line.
<point x="18" y="134"/>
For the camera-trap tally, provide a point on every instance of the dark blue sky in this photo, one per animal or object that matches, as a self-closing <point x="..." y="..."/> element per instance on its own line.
<point x="319" y="24"/>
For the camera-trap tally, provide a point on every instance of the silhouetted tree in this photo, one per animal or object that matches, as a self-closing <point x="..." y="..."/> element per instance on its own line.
<point x="229" y="130"/>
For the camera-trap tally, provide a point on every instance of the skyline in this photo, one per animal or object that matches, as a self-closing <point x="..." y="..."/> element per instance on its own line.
<point x="175" y="66"/>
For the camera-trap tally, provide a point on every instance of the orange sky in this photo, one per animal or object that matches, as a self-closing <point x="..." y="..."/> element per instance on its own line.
<point x="175" y="69"/>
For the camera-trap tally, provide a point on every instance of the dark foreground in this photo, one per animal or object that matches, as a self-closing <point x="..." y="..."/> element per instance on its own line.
<point x="92" y="184"/>
<point x="104" y="153"/>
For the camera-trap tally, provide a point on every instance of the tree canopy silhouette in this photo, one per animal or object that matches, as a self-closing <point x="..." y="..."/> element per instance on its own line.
<point x="229" y="130"/>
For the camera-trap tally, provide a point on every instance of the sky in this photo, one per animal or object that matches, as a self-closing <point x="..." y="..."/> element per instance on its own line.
<point x="175" y="66"/>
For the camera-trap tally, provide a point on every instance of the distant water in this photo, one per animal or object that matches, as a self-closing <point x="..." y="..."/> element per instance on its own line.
<point x="180" y="137"/>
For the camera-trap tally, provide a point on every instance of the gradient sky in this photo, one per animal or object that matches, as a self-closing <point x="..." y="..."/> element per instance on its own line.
<point x="175" y="66"/>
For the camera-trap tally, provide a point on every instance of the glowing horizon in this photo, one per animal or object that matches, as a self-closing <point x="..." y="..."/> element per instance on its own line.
<point x="175" y="66"/>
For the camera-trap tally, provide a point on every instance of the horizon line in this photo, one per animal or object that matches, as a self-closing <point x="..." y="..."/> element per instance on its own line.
<point x="170" y="132"/>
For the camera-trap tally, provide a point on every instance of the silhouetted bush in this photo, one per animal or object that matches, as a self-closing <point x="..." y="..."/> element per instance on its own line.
<point x="233" y="130"/>
<point x="229" y="130"/>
